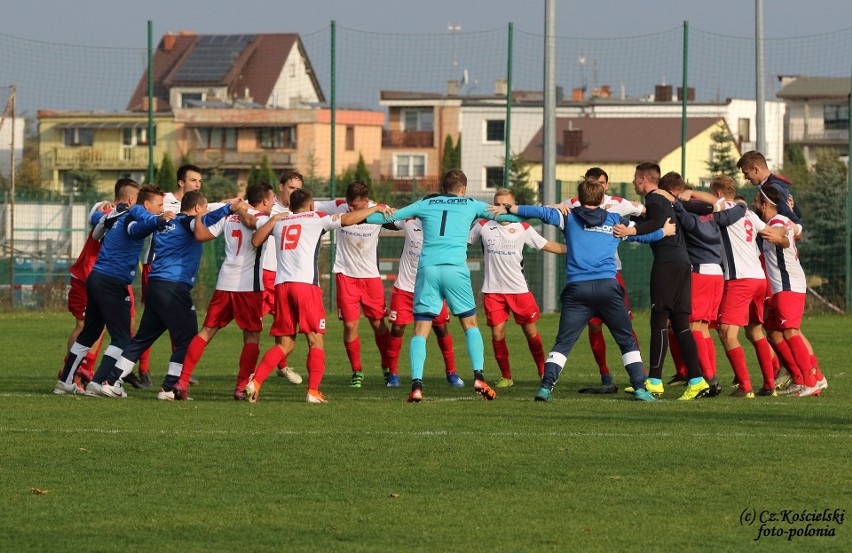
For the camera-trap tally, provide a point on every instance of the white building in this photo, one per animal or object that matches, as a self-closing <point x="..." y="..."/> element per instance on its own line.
<point x="6" y="144"/>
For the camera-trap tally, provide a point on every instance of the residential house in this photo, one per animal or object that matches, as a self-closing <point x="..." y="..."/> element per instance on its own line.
<point x="584" y="142"/>
<point x="817" y="113"/>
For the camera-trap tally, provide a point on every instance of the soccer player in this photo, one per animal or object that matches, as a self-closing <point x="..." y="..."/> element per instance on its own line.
<point x="126" y="191"/>
<point x="625" y="208"/>
<point x="169" y="306"/>
<point x="443" y="274"/>
<point x="188" y="180"/>
<point x="591" y="289"/>
<point x="788" y="286"/>
<point x="298" y="298"/>
<point x="505" y="287"/>
<point x="359" y="284"/>
<point x="743" y="294"/>
<point x="402" y="306"/>
<point x="700" y="221"/>
<point x="109" y="304"/>
<point x="239" y="289"/>
<point x="755" y="170"/>
<point x="671" y="284"/>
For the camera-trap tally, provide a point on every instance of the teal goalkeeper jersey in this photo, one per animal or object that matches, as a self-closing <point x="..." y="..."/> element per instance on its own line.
<point x="446" y="221"/>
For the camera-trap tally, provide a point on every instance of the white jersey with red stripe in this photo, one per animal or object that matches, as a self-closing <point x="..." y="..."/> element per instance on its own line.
<point x="740" y="249"/>
<point x="241" y="270"/>
<point x="409" y="259"/>
<point x="782" y="264"/>
<point x="356" y="251"/>
<point x="270" y="260"/>
<point x="503" y="247"/>
<point x="614" y="204"/>
<point x="297" y="238"/>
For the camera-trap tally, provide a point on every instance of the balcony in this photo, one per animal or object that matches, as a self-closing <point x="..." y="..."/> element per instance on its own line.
<point x="408" y="139"/>
<point x="413" y="185"/>
<point x="94" y="158"/>
<point x="241" y="160"/>
<point x="799" y="135"/>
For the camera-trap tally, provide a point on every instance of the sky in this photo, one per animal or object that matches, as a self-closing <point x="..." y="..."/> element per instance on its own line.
<point x="117" y="23"/>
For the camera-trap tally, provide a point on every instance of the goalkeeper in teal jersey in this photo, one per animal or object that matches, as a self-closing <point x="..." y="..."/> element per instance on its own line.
<point x="443" y="273"/>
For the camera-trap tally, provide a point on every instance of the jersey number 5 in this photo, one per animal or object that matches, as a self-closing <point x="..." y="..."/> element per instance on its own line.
<point x="290" y="236"/>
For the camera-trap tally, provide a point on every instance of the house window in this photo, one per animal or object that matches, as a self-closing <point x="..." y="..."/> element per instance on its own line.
<point x="78" y="136"/>
<point x="836" y="117"/>
<point x="494" y="177"/>
<point x="495" y="130"/>
<point x="215" y="138"/>
<point x="417" y="119"/>
<point x="350" y="139"/>
<point x="191" y="99"/>
<point x="407" y="166"/>
<point x="276" y="137"/>
<point x="136" y="136"/>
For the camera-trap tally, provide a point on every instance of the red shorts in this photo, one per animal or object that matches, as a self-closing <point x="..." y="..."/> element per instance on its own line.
<point x="402" y="309"/>
<point x="597" y="321"/>
<point x="77" y="298"/>
<point x="785" y="311"/>
<point x="268" y="292"/>
<point x="298" y="306"/>
<point x="742" y="302"/>
<point x="244" y="307"/>
<point x="146" y="268"/>
<point x="355" y="293"/>
<point x="706" y="296"/>
<point x="498" y="306"/>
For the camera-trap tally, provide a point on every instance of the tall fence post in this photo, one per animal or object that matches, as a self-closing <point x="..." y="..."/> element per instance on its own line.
<point x="548" y="169"/>
<point x="150" y="101"/>
<point x="332" y="177"/>
<point x="760" y="78"/>
<point x="683" y="100"/>
<point x="507" y="162"/>
<point x="848" y="245"/>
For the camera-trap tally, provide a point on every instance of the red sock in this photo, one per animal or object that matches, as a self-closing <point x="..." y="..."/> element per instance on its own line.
<point x="764" y="358"/>
<point x="815" y="365"/>
<point x="803" y="359"/>
<point x="446" y="346"/>
<point x="353" y="351"/>
<point x="190" y="360"/>
<point x="776" y="364"/>
<point x="92" y="357"/>
<point x="144" y="360"/>
<point x="501" y="353"/>
<point x="786" y="356"/>
<point x="711" y="353"/>
<point x="248" y="361"/>
<point x="598" y="344"/>
<point x="537" y="352"/>
<point x="703" y="360"/>
<point x="394" y="347"/>
<point x="283" y="363"/>
<point x="738" y="362"/>
<point x="316" y="368"/>
<point x="268" y="363"/>
<point x="674" y="346"/>
<point x="382" y="344"/>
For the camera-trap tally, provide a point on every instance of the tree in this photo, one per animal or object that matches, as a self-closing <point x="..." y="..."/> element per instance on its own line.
<point x="519" y="180"/>
<point x="451" y="158"/>
<point x="360" y="173"/>
<point x="166" y="176"/>
<point x="722" y="161"/>
<point x="824" y="226"/>
<point x="265" y="173"/>
<point x="218" y="186"/>
<point x="254" y="175"/>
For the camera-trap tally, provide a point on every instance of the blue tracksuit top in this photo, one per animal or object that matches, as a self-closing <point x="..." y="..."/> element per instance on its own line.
<point x="122" y="242"/>
<point x="177" y="254"/>
<point x="589" y="239"/>
<point x="703" y="237"/>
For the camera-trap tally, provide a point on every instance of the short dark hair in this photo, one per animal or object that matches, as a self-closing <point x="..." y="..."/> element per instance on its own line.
<point x="289" y="175"/>
<point x="192" y="199"/>
<point x="590" y="192"/>
<point x="146" y="192"/>
<point x="256" y="193"/>
<point x="750" y="159"/>
<point x="771" y="194"/>
<point x="596" y="173"/>
<point x="453" y="181"/>
<point x="672" y="182"/>
<point x="650" y="170"/>
<point x="184" y="169"/>
<point x="357" y="190"/>
<point x="120" y="184"/>
<point x="300" y="198"/>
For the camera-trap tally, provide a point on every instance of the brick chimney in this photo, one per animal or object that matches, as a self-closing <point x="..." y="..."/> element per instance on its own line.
<point x="663" y="93"/>
<point x="501" y="87"/>
<point x="169" y="41"/>
<point x="572" y="141"/>
<point x="452" y="88"/>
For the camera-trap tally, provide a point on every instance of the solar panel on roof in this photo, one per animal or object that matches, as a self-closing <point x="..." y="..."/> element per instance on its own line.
<point x="212" y="58"/>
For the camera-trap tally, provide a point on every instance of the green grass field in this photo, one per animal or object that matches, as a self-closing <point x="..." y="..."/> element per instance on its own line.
<point x="368" y="472"/>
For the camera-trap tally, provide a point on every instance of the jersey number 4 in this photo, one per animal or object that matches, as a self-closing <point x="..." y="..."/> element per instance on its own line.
<point x="290" y="236"/>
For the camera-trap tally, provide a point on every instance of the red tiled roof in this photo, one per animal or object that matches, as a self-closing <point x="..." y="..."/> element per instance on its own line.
<point x="620" y="140"/>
